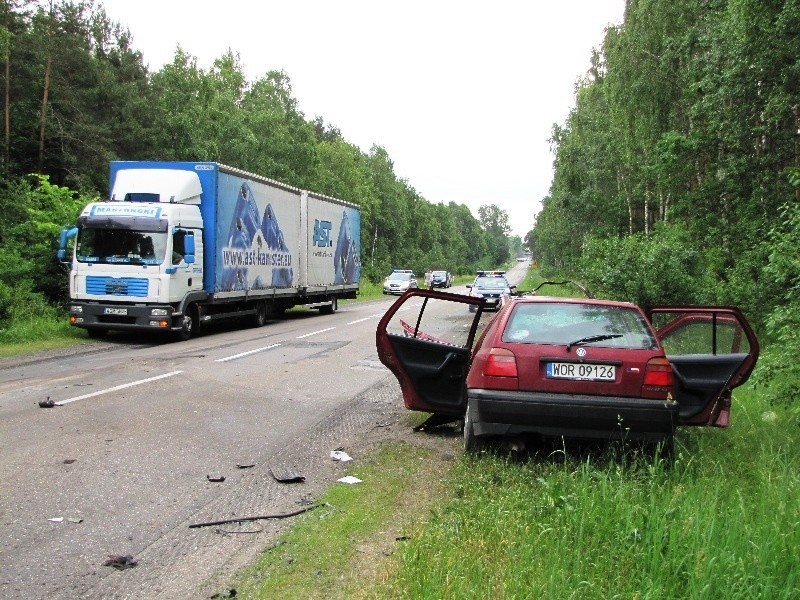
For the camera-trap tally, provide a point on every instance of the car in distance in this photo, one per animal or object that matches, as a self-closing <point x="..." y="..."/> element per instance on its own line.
<point x="441" y="279"/>
<point x="549" y="367"/>
<point x="398" y="281"/>
<point x="492" y="286"/>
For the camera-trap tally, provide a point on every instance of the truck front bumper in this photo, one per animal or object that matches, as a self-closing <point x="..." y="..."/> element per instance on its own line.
<point x="108" y="316"/>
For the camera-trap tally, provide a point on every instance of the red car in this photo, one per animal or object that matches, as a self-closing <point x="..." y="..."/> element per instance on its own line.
<point x="566" y="367"/>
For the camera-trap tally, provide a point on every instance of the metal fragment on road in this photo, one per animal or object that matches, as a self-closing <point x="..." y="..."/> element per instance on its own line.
<point x="286" y="474"/>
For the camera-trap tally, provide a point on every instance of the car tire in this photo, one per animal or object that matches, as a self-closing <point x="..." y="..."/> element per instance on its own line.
<point x="472" y="443"/>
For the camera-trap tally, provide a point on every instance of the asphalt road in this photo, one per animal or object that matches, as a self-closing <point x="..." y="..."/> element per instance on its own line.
<point x="121" y="464"/>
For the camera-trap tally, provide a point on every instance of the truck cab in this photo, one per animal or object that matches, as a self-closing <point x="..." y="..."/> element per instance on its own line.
<point x="138" y="256"/>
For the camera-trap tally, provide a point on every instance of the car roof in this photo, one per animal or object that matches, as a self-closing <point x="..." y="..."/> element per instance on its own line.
<point x="571" y="300"/>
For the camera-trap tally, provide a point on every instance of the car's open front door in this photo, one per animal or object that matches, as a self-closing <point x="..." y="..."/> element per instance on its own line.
<point x="425" y="339"/>
<point x="712" y="350"/>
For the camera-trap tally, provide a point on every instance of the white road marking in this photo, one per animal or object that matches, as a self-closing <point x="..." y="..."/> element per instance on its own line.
<point x="300" y="337"/>
<point x="366" y="318"/>
<point x="241" y="354"/>
<point x="117" y="388"/>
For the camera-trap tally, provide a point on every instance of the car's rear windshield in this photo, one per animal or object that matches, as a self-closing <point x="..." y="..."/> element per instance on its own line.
<point x="564" y="323"/>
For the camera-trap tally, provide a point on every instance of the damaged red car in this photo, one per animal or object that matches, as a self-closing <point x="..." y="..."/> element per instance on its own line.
<point x="556" y="367"/>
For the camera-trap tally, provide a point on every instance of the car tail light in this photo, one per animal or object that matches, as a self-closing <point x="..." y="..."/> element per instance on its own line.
<point x="658" y="373"/>
<point x="500" y="363"/>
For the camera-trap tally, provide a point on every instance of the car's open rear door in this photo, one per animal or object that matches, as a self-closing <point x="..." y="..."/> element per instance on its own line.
<point x="425" y="339"/>
<point x="712" y="350"/>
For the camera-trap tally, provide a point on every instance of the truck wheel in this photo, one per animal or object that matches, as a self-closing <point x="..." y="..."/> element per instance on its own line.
<point x="189" y="324"/>
<point x="331" y="308"/>
<point x="260" y="318"/>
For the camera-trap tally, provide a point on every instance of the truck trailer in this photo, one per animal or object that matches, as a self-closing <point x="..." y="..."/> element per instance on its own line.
<point x="180" y="244"/>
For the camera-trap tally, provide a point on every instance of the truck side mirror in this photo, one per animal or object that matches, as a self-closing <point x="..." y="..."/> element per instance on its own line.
<point x="66" y="234"/>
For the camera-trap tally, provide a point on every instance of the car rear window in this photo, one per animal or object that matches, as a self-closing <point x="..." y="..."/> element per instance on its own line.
<point x="563" y="323"/>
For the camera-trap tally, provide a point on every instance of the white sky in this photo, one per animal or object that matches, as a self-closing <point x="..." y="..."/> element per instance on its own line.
<point x="461" y="94"/>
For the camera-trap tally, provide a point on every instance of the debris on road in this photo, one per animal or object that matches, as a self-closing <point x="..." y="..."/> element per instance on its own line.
<point x="215" y="478"/>
<point x="48" y="403"/>
<point x="340" y="456"/>
<point x="244" y="519"/>
<point x="349" y="480"/>
<point x="120" y="561"/>
<point x="286" y="474"/>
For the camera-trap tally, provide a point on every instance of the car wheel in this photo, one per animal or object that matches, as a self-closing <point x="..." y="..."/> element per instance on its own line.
<point x="472" y="443"/>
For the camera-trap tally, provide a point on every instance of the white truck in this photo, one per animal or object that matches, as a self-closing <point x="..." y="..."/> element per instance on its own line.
<point x="179" y="244"/>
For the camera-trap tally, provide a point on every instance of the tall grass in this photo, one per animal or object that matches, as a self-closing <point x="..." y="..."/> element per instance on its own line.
<point x="722" y="520"/>
<point x="46" y="329"/>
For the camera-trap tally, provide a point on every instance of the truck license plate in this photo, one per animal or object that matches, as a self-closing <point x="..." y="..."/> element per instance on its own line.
<point x="115" y="311"/>
<point x="557" y="370"/>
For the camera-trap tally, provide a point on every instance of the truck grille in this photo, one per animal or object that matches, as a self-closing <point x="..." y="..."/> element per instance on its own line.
<point x="116" y="286"/>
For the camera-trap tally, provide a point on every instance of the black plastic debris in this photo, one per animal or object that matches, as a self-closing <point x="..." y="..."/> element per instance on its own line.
<point x="120" y="561"/>
<point x="215" y="478"/>
<point x="294" y="513"/>
<point x="231" y="593"/>
<point x="245" y="465"/>
<point x="48" y="403"/>
<point x="286" y="474"/>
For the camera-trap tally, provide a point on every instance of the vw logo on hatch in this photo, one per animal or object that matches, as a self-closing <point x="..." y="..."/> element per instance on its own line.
<point x="581" y="352"/>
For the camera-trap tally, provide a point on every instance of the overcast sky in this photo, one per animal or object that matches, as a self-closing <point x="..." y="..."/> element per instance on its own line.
<point x="461" y="94"/>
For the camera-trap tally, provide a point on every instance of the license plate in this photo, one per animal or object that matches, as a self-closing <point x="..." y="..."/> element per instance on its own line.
<point x="115" y="311"/>
<point x="580" y="371"/>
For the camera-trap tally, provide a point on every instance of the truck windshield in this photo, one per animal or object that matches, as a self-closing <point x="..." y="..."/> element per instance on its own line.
<point x="95" y="245"/>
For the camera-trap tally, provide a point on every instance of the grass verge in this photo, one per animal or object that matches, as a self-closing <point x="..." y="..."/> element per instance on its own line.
<point x="38" y="334"/>
<point x="720" y="521"/>
<point x="345" y="548"/>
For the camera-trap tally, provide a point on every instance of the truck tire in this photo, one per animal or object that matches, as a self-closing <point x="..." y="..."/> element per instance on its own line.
<point x="260" y="318"/>
<point x="191" y="320"/>
<point x="331" y="308"/>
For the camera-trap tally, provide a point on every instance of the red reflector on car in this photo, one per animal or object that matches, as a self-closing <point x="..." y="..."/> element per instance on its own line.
<point x="658" y="373"/>
<point x="500" y="363"/>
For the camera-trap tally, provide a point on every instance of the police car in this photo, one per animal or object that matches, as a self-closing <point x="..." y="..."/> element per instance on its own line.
<point x="491" y="286"/>
<point x="399" y="281"/>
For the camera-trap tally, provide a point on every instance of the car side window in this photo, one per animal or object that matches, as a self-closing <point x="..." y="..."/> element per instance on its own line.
<point x="432" y="320"/>
<point x="701" y="334"/>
